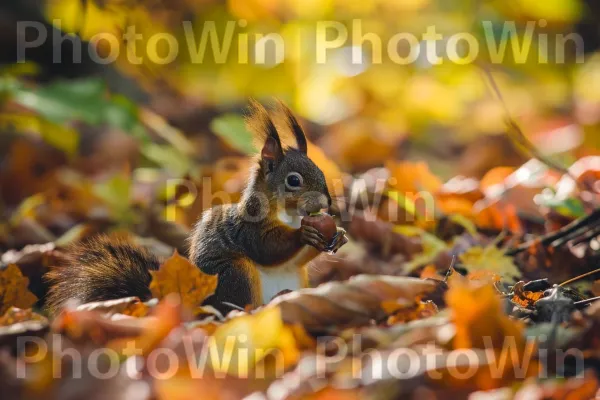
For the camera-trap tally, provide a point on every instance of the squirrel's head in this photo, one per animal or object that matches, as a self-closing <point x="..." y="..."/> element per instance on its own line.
<point x="287" y="172"/>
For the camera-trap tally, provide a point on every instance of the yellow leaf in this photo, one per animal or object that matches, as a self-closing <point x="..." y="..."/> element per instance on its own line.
<point x="13" y="290"/>
<point x="491" y="259"/>
<point x="240" y="345"/>
<point x="464" y="222"/>
<point x="432" y="246"/>
<point x="58" y="135"/>
<point x="178" y="275"/>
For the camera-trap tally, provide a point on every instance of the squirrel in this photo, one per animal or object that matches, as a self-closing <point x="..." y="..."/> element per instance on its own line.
<point x="258" y="247"/>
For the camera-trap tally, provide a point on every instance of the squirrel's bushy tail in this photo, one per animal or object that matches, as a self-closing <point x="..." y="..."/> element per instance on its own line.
<point x="102" y="268"/>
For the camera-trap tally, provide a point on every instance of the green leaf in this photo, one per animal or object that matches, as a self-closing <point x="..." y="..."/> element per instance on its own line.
<point x="66" y="100"/>
<point x="570" y="207"/>
<point x="76" y="100"/>
<point x="167" y="157"/>
<point x="232" y="129"/>
<point x="85" y="100"/>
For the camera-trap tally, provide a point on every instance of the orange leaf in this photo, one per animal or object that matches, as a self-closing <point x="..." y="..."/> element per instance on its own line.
<point x="150" y="331"/>
<point x="13" y="289"/>
<point x="478" y="313"/>
<point x="402" y="312"/>
<point x="178" y="275"/>
<point x="495" y="176"/>
<point x="481" y="323"/>
<point x="411" y="178"/>
<point x="525" y="298"/>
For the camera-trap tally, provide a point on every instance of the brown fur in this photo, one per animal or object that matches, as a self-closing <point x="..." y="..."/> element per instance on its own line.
<point x="102" y="268"/>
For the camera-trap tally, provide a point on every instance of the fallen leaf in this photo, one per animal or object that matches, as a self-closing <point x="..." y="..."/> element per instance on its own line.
<point x="355" y="302"/>
<point x="489" y="258"/>
<point x="243" y="342"/>
<point x="179" y="275"/>
<point x="131" y="306"/>
<point x="17" y="323"/>
<point x="525" y="298"/>
<point x="402" y="313"/>
<point x="15" y="315"/>
<point x="13" y="289"/>
<point x="480" y="323"/>
<point x="145" y="334"/>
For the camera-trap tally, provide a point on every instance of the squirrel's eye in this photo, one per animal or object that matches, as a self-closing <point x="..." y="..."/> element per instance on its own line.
<point x="293" y="181"/>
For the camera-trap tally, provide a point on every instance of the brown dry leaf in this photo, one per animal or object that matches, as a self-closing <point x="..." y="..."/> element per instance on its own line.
<point x="380" y="236"/>
<point x="13" y="289"/>
<point x="179" y="275"/>
<point x="243" y="342"/>
<point x="352" y="303"/>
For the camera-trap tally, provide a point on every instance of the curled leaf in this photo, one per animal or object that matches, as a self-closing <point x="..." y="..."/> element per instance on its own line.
<point x="351" y="303"/>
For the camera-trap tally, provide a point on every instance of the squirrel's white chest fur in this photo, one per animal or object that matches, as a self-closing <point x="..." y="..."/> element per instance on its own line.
<point x="274" y="280"/>
<point x="287" y="276"/>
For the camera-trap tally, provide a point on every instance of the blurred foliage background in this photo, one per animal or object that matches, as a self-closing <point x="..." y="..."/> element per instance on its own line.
<point x="80" y="134"/>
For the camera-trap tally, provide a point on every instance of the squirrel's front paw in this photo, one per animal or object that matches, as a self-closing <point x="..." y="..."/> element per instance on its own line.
<point x="312" y="237"/>
<point x="338" y="240"/>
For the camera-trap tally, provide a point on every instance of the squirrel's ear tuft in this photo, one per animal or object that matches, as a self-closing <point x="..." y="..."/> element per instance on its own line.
<point x="293" y="125"/>
<point x="260" y="124"/>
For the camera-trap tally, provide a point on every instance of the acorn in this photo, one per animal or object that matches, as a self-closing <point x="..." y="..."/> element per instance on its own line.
<point x="322" y="222"/>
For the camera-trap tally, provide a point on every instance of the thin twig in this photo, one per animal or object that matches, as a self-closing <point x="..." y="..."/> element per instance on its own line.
<point x="566" y="231"/>
<point x="579" y="277"/>
<point x="585" y="302"/>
